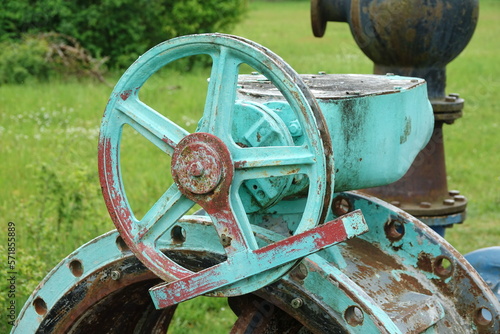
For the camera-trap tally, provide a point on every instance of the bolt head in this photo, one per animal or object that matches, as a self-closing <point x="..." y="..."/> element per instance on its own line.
<point x="425" y="205"/>
<point x="116" y="275"/>
<point x="196" y="169"/>
<point x="449" y="201"/>
<point x="295" y="128"/>
<point x="450" y="98"/>
<point x="297" y="302"/>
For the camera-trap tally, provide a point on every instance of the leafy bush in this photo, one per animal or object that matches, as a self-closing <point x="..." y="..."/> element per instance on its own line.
<point x="44" y="55"/>
<point x="21" y="61"/>
<point x="118" y="29"/>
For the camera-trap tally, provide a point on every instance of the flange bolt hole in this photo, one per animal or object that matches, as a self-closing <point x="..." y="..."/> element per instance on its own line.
<point x="40" y="306"/>
<point x="76" y="268"/>
<point x="443" y="267"/>
<point x="394" y="230"/>
<point x="178" y="234"/>
<point x="354" y="316"/>
<point x="483" y="317"/>
<point x="120" y="243"/>
<point x="341" y="206"/>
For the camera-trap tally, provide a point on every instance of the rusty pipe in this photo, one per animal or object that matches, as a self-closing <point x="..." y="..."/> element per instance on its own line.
<point x="415" y="38"/>
<point x="409" y="37"/>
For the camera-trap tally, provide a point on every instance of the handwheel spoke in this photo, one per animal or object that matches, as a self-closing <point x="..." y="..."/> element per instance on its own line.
<point x="217" y="116"/>
<point x="157" y="221"/>
<point x="242" y="221"/>
<point x="261" y="162"/>
<point x="155" y="127"/>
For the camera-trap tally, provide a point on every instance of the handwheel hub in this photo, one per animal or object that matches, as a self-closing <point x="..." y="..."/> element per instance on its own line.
<point x="198" y="163"/>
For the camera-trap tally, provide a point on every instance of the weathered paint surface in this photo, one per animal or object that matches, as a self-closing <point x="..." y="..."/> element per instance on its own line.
<point x="356" y="107"/>
<point x="383" y="284"/>
<point x="243" y="265"/>
<point x="413" y="38"/>
<point x="211" y="168"/>
<point x="376" y="269"/>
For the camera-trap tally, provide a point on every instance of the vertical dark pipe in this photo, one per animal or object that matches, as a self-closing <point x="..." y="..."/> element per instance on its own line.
<point x="413" y="38"/>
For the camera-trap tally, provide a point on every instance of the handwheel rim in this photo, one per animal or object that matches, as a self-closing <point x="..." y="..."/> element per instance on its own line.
<point x="318" y="142"/>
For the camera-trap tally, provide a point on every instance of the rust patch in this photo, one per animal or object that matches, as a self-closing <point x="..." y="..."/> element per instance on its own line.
<point x="125" y="94"/>
<point x="169" y="142"/>
<point x="424" y="262"/>
<point x="119" y="213"/>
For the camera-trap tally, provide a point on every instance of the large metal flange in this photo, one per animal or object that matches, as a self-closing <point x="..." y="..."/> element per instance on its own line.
<point x="108" y="294"/>
<point x="209" y="167"/>
<point x="393" y="279"/>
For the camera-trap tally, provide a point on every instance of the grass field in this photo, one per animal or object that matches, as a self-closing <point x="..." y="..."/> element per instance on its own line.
<point x="49" y="131"/>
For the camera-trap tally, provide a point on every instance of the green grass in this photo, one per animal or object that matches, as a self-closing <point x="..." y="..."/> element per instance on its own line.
<point x="49" y="133"/>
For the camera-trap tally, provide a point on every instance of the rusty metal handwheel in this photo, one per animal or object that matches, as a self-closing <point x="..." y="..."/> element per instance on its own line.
<point x="208" y="166"/>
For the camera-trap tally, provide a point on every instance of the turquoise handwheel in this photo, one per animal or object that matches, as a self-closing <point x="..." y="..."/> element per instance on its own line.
<point x="219" y="166"/>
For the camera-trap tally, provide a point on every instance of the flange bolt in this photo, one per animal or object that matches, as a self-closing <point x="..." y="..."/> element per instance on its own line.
<point x="297" y="302"/>
<point x="196" y="169"/>
<point x="116" y="275"/>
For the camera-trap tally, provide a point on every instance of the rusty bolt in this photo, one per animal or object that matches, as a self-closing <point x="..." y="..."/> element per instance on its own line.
<point x="425" y="205"/>
<point x="297" y="302"/>
<point x="449" y="201"/>
<point x="300" y="272"/>
<point x="196" y="169"/>
<point x="459" y="198"/>
<point x="454" y="192"/>
<point x="341" y="205"/>
<point x="116" y="275"/>
<point x="450" y="98"/>
<point x="455" y="95"/>
<point x="225" y="240"/>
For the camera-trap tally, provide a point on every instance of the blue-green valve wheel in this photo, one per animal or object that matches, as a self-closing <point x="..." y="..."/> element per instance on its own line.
<point x="210" y="165"/>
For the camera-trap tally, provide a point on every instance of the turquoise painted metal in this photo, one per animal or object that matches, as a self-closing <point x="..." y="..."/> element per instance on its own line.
<point x="209" y="165"/>
<point x="215" y="168"/>
<point x="356" y="108"/>
<point x="272" y="234"/>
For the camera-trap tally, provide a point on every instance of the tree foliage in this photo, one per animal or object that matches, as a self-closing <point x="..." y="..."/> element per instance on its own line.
<point x="118" y="29"/>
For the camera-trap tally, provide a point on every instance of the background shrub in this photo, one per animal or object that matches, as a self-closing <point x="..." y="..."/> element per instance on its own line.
<point x="23" y="60"/>
<point x="118" y="29"/>
<point x="46" y="55"/>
